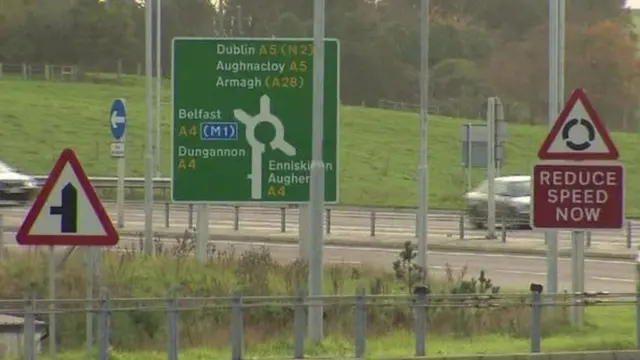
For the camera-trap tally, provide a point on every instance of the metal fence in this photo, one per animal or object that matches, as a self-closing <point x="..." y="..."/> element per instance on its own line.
<point x="365" y="221"/>
<point x="422" y="305"/>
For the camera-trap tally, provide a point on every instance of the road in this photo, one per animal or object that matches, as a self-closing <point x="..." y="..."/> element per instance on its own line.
<point x="512" y="271"/>
<point x="342" y="222"/>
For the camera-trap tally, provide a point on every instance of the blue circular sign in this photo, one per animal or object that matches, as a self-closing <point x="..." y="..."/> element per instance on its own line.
<point x="118" y="119"/>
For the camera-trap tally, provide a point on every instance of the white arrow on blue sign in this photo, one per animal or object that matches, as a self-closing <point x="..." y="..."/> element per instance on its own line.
<point x="118" y="119"/>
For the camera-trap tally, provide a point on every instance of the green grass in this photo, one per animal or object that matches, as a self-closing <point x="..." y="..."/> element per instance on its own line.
<point x="269" y="329"/>
<point x="379" y="148"/>
<point x="607" y="336"/>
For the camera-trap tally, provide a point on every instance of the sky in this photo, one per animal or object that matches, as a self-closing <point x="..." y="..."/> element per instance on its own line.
<point x="634" y="4"/>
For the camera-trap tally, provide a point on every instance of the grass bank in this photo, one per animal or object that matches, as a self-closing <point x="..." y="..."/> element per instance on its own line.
<point x="204" y="331"/>
<point x="378" y="155"/>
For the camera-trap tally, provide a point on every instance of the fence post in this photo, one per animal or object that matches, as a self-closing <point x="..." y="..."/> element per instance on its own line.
<point x="420" y="307"/>
<point x="588" y="239"/>
<point x="1" y="237"/>
<point x="637" y="318"/>
<point x="236" y="328"/>
<point x="637" y="285"/>
<point x="361" y="324"/>
<point x="536" y="306"/>
<point x="167" y="210"/>
<point x="283" y="220"/>
<point x="328" y="217"/>
<point x="373" y="224"/>
<point x="29" y="328"/>
<point x="461" y="226"/>
<point x="236" y="218"/>
<point x="103" y="326"/>
<point x="629" y="231"/>
<point x="504" y="229"/>
<point x="299" y="325"/>
<point x="172" y="318"/>
<point x="190" y="216"/>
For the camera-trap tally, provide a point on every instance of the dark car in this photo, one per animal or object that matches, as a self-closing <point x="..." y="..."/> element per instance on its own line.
<point x="513" y="202"/>
<point x="15" y="187"/>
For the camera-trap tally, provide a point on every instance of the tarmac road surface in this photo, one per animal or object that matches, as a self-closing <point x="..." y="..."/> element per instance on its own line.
<point x="512" y="271"/>
<point x="342" y="222"/>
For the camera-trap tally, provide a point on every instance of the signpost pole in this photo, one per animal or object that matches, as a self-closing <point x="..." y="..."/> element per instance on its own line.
<point x="158" y="94"/>
<point x="118" y="127"/>
<point x="491" y="169"/>
<point x="121" y="169"/>
<point x="202" y="233"/>
<point x="90" y="277"/>
<point x="303" y="232"/>
<point x="52" y="302"/>
<point x="148" y="175"/>
<point x="551" y="237"/>
<point x="423" y="168"/>
<point x="577" y="276"/>
<point x="499" y="130"/>
<point x="316" y="213"/>
<point x="577" y="238"/>
<point x="469" y="154"/>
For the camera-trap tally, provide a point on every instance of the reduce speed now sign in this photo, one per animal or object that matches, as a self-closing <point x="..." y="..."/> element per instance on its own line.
<point x="579" y="185"/>
<point x="569" y="196"/>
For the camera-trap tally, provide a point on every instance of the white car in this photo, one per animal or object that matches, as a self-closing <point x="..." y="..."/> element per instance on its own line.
<point x="15" y="187"/>
<point x="513" y="202"/>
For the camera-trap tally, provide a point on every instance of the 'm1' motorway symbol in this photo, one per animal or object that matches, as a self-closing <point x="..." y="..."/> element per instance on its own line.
<point x="68" y="210"/>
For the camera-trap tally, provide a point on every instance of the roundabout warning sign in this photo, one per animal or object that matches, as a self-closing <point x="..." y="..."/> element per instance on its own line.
<point x="578" y="134"/>
<point x="579" y="185"/>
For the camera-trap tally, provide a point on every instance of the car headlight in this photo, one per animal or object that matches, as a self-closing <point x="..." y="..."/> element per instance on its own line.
<point x="30" y="184"/>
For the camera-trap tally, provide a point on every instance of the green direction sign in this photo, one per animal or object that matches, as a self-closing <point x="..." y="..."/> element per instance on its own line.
<point x="242" y="120"/>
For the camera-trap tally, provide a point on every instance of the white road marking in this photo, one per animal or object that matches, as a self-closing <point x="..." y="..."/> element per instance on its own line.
<point x="520" y="272"/>
<point x="375" y="249"/>
<point x="343" y="262"/>
<point x="604" y="278"/>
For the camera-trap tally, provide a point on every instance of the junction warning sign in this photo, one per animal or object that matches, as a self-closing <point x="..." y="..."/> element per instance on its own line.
<point x="578" y="196"/>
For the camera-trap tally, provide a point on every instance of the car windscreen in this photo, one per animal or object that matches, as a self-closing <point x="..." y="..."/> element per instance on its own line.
<point x="507" y="188"/>
<point x="482" y="188"/>
<point x="519" y="188"/>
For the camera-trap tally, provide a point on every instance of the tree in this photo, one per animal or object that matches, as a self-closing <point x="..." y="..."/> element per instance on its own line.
<point x="602" y="59"/>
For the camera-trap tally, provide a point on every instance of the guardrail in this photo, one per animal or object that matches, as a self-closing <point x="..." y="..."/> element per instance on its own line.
<point x="373" y="218"/>
<point x="422" y="306"/>
<point x="164" y="184"/>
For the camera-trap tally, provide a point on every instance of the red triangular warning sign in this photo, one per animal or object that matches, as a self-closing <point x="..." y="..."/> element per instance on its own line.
<point x="67" y="211"/>
<point x="578" y="134"/>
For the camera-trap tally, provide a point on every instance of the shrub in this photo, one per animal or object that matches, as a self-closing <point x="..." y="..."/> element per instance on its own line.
<point x="126" y="274"/>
